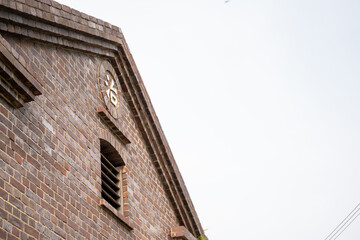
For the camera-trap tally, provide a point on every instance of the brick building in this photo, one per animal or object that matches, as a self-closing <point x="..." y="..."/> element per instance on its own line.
<point x="82" y="153"/>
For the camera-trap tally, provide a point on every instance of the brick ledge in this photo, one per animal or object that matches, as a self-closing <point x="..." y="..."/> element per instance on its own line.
<point x="180" y="232"/>
<point x="123" y="220"/>
<point x="18" y="84"/>
<point x="111" y="124"/>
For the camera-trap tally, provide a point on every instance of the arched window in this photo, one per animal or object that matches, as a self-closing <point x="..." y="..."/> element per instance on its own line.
<point x="111" y="175"/>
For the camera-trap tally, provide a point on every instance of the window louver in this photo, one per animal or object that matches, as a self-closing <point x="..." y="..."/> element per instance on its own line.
<point x="110" y="182"/>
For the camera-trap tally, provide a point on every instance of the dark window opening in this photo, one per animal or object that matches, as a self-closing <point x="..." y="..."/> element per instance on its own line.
<point x="111" y="170"/>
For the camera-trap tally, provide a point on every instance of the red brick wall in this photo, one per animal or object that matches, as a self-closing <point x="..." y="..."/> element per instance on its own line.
<point x="50" y="178"/>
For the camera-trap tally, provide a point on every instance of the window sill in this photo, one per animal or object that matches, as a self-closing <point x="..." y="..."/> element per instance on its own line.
<point x="124" y="221"/>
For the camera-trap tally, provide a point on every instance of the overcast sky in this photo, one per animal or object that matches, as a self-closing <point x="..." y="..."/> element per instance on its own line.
<point x="260" y="103"/>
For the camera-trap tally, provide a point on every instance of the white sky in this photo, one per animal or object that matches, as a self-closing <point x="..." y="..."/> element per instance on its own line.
<point x="259" y="100"/>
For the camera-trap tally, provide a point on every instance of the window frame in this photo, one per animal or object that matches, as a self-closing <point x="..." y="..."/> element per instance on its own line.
<point x="109" y="153"/>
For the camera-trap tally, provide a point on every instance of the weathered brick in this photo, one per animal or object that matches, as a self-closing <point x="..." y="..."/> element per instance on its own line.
<point x="3" y="194"/>
<point x="32" y="196"/>
<point x="12" y="237"/>
<point x="3" y="214"/>
<point x="61" y="138"/>
<point x="17" y="184"/>
<point x="18" y="158"/>
<point x="15" y="232"/>
<point x="24" y="236"/>
<point x="33" y="162"/>
<point x="4" y="111"/>
<point x="5" y="122"/>
<point x="16" y="213"/>
<point x="47" y="190"/>
<point x="18" y="149"/>
<point x="36" y="130"/>
<point x="7" y="226"/>
<point x="50" y="168"/>
<point x="31" y="231"/>
<point x="16" y="222"/>
<point x="2" y="234"/>
<point x="60" y="168"/>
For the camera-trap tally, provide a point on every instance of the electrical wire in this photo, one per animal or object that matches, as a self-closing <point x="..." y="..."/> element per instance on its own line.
<point x="347" y="226"/>
<point x="351" y="217"/>
<point x="343" y="222"/>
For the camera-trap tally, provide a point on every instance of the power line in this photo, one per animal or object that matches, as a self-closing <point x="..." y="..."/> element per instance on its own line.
<point x="344" y="222"/>
<point x="347" y="226"/>
<point x="352" y="214"/>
